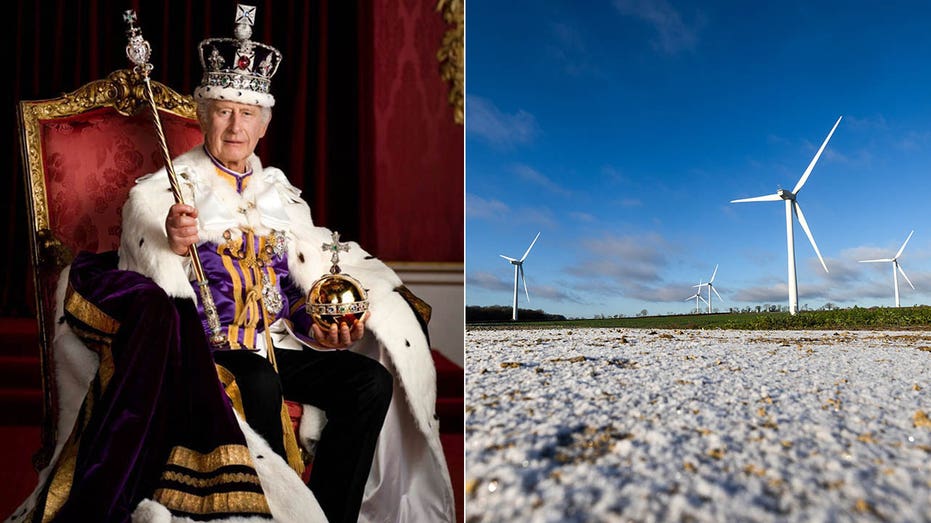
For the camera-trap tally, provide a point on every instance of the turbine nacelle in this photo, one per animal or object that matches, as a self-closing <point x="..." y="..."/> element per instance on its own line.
<point x="785" y="194"/>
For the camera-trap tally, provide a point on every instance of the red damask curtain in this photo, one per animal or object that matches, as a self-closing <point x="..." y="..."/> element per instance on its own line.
<point x="361" y="122"/>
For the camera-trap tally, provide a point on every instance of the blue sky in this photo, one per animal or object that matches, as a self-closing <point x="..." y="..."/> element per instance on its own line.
<point x="621" y="131"/>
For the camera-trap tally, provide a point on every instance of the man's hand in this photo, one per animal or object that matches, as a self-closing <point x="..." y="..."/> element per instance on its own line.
<point x="181" y="227"/>
<point x="340" y="337"/>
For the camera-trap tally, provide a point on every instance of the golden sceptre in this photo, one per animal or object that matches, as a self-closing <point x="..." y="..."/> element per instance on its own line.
<point x="138" y="51"/>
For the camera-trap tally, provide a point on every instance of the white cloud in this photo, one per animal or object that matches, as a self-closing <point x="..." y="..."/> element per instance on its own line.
<point x="776" y="293"/>
<point x="582" y="217"/>
<point x="626" y="261"/>
<point x="673" y="33"/>
<point x="487" y="280"/>
<point x="480" y="208"/>
<point x="550" y="292"/>
<point x="531" y="175"/>
<point x="870" y="123"/>
<point x="538" y="216"/>
<point x="630" y="202"/>
<point x="486" y="121"/>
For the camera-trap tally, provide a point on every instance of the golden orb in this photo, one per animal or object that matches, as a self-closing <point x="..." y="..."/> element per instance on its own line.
<point x="335" y="299"/>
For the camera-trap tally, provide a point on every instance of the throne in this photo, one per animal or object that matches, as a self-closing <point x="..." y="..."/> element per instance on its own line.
<point x="81" y="154"/>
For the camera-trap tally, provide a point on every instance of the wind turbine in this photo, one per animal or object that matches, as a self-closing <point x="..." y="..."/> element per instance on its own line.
<point x="896" y="268"/>
<point x="792" y="206"/>
<point x="519" y="271"/>
<point x="697" y="296"/>
<point x="710" y="286"/>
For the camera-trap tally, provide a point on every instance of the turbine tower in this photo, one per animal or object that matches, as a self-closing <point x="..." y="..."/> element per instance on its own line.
<point x="896" y="268"/>
<point x="697" y="296"/>
<point x="519" y="273"/>
<point x="710" y="286"/>
<point x="792" y="207"/>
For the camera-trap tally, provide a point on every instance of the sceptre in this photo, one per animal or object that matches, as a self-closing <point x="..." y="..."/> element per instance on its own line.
<point x="138" y="51"/>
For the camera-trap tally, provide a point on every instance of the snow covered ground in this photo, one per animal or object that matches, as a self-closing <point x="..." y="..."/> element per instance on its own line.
<point x="639" y="425"/>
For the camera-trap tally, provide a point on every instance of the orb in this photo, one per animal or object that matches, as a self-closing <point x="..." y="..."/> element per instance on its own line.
<point x="336" y="298"/>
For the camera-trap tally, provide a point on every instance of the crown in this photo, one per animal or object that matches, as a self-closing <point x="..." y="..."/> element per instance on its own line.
<point x="238" y="69"/>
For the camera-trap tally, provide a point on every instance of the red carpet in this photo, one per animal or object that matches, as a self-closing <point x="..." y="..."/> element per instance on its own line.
<point x="21" y="411"/>
<point x="450" y="380"/>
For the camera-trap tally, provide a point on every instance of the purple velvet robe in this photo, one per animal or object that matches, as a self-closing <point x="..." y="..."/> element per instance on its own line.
<point x="156" y="422"/>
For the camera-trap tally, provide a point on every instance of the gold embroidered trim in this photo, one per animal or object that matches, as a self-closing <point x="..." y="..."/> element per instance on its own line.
<point x="221" y="456"/>
<point x="89" y="313"/>
<point x="59" y="486"/>
<point x="222" y="479"/>
<point x="218" y="502"/>
<point x="232" y="389"/>
<point x="295" y="459"/>
<point x="233" y="330"/>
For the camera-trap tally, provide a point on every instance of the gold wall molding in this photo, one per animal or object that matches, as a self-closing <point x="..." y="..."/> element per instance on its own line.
<point x="452" y="54"/>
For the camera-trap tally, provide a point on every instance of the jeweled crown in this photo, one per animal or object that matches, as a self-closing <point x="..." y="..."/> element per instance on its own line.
<point x="238" y="69"/>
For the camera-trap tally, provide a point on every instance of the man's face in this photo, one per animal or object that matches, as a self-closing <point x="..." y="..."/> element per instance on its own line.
<point x="231" y="132"/>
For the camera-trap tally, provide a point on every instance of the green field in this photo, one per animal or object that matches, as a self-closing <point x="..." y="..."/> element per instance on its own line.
<point x="877" y="318"/>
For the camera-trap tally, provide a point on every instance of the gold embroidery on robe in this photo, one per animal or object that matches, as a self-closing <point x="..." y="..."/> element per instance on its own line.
<point x="218" y="502"/>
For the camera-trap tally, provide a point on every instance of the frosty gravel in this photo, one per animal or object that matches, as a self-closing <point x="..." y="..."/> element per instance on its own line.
<point x="641" y="425"/>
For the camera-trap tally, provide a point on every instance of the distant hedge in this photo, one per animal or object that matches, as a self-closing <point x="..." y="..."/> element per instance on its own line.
<point x="855" y="318"/>
<point x="500" y="313"/>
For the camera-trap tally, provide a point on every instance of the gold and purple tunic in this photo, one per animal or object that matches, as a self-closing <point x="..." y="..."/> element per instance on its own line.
<point x="249" y="281"/>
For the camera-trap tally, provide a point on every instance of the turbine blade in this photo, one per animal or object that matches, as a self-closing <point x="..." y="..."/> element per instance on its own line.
<point x="531" y="247"/>
<point x="874" y="261"/>
<point x="814" y="160"/>
<point x="767" y="198"/>
<point x="702" y="298"/>
<point x="804" y="224"/>
<point x="507" y="258"/>
<point x="904" y="276"/>
<point x="904" y="244"/>
<point x="713" y="274"/>
<point x="524" y="279"/>
<point x="716" y="293"/>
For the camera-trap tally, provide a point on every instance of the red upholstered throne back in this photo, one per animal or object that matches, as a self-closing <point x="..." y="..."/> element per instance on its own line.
<point x="91" y="161"/>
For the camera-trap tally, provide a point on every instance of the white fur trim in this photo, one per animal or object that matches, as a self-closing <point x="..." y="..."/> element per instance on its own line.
<point x="230" y="94"/>
<point x="148" y="511"/>
<point x="312" y="422"/>
<point x="144" y="243"/>
<point x="289" y="499"/>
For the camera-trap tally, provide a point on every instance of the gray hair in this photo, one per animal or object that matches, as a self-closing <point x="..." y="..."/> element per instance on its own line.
<point x="203" y="106"/>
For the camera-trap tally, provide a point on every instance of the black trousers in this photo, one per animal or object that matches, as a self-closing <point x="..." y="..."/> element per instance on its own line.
<point x="353" y="390"/>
